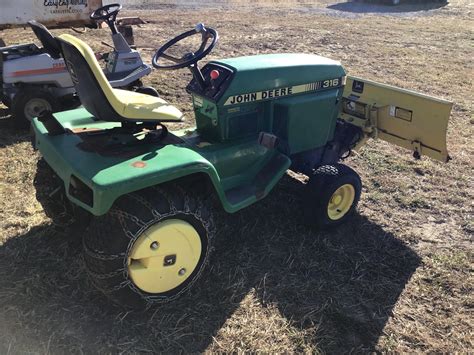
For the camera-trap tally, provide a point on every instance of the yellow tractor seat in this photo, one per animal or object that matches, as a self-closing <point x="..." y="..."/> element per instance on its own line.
<point x="98" y="96"/>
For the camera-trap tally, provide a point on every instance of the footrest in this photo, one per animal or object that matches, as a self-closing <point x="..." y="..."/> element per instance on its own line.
<point x="261" y="184"/>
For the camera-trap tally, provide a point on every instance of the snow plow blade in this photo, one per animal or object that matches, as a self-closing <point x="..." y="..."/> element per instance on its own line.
<point x="402" y="117"/>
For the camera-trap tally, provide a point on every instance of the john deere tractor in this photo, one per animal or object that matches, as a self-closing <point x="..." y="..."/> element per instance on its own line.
<point x="149" y="190"/>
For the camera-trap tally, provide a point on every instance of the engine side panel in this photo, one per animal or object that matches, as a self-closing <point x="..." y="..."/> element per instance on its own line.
<point x="306" y="122"/>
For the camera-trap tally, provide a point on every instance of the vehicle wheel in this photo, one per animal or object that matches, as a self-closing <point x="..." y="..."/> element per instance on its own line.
<point x="332" y="194"/>
<point x="6" y="101"/>
<point x="51" y="195"/>
<point x="150" y="247"/>
<point x="147" y="90"/>
<point x="29" y="103"/>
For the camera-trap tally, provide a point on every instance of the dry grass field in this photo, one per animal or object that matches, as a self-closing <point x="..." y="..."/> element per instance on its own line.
<point x="397" y="278"/>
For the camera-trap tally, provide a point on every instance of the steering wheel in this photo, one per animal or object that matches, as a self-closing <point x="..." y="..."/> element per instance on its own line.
<point x="189" y="59"/>
<point x="108" y="13"/>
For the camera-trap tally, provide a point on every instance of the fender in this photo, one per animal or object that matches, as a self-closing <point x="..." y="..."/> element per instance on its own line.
<point x="94" y="181"/>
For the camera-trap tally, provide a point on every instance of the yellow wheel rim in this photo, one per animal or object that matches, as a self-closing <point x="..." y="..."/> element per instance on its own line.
<point x="164" y="256"/>
<point x="341" y="201"/>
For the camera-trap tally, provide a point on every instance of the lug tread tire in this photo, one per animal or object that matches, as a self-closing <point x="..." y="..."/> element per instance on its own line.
<point x="325" y="180"/>
<point x="50" y="193"/>
<point x="110" y="238"/>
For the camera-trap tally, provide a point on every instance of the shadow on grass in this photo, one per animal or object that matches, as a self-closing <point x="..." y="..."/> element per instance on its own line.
<point x="9" y="133"/>
<point x="340" y="286"/>
<point x="385" y="7"/>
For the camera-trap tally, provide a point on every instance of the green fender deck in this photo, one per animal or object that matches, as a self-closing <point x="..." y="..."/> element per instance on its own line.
<point x="241" y="172"/>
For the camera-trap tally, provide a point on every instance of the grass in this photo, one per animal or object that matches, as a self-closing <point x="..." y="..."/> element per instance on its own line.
<point x="397" y="278"/>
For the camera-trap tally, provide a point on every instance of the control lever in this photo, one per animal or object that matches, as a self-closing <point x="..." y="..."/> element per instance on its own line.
<point x="214" y="75"/>
<point x="51" y="124"/>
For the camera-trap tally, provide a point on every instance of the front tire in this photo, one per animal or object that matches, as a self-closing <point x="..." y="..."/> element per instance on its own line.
<point x="151" y="247"/>
<point x="331" y="195"/>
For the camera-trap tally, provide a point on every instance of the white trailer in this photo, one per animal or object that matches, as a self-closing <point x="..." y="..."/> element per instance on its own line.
<point x="52" y="13"/>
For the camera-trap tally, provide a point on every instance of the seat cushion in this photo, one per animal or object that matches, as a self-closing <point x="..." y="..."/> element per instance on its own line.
<point x="146" y="107"/>
<point x="128" y="105"/>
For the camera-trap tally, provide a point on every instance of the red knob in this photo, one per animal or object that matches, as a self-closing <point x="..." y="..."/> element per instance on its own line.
<point x="214" y="74"/>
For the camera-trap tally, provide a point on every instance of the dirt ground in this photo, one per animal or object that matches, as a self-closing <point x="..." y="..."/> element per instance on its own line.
<point x="398" y="277"/>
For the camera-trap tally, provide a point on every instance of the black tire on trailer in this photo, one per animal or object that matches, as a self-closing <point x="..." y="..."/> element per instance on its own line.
<point x="147" y="90"/>
<point x="331" y="195"/>
<point x="151" y="247"/>
<point x="29" y="103"/>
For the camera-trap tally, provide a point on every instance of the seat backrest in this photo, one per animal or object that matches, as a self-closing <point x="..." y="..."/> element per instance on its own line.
<point x="93" y="88"/>
<point x="48" y="41"/>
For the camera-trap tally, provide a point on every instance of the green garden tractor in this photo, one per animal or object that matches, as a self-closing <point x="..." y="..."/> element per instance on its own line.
<point x="149" y="192"/>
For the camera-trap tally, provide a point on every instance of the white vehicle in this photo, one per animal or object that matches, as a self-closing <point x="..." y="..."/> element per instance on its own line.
<point x="35" y="79"/>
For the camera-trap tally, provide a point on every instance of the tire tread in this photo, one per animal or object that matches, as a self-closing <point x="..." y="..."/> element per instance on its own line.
<point x="110" y="238"/>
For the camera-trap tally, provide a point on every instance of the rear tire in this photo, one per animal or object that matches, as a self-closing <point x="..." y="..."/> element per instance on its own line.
<point x="51" y="195"/>
<point x="29" y="103"/>
<point x="151" y="247"/>
<point x="331" y="195"/>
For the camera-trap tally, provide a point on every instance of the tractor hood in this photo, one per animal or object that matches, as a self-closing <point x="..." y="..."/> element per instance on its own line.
<point x="267" y="76"/>
<point x="240" y="96"/>
<point x="272" y="71"/>
<point x="288" y="61"/>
